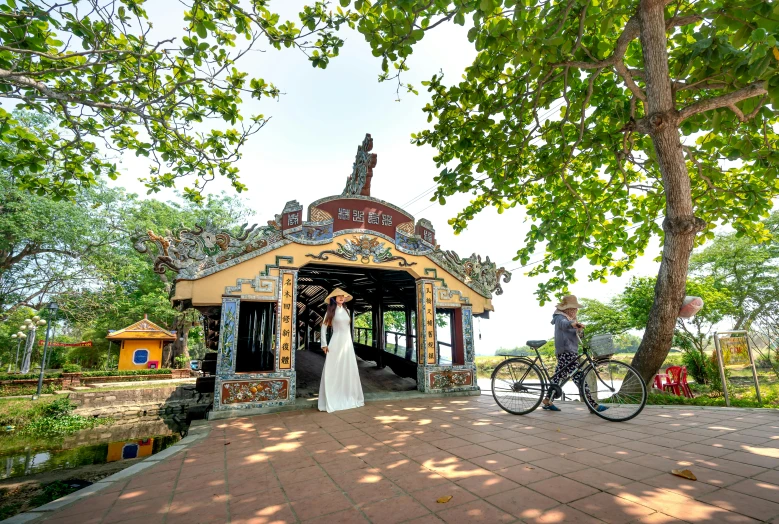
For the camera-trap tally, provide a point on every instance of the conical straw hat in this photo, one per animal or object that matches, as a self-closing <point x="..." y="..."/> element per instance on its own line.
<point x="338" y="291"/>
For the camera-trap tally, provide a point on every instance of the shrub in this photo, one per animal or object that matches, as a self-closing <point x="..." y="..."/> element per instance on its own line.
<point x="28" y="376"/>
<point x="712" y="371"/>
<point x="126" y="373"/>
<point x="71" y="368"/>
<point x="696" y="365"/>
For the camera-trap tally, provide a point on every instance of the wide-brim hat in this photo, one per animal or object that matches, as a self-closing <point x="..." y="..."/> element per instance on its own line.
<point x="569" y="302"/>
<point x="336" y="292"/>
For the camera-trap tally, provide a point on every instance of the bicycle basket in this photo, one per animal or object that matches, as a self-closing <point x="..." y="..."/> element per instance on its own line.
<point x="602" y="346"/>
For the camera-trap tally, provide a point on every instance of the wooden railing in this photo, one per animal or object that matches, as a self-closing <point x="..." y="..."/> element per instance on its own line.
<point x="444" y="360"/>
<point x="392" y="344"/>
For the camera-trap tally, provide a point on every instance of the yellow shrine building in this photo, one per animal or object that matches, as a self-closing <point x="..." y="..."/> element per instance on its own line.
<point x="141" y="344"/>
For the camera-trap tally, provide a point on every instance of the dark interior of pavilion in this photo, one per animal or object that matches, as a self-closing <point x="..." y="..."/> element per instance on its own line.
<point x="386" y="355"/>
<point x="384" y="329"/>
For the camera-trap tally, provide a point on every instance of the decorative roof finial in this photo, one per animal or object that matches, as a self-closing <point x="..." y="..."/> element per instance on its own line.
<point x="359" y="182"/>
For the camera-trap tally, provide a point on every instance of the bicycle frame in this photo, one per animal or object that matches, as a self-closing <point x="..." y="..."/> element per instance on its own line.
<point x="583" y="361"/>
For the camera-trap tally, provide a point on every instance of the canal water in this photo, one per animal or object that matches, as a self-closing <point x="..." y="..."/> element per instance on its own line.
<point x="102" y="445"/>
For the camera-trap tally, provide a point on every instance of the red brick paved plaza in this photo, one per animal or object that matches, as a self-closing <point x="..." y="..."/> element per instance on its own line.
<point x="390" y="462"/>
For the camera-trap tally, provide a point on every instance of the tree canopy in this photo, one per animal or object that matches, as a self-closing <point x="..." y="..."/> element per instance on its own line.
<point x="97" y="69"/>
<point x="602" y="118"/>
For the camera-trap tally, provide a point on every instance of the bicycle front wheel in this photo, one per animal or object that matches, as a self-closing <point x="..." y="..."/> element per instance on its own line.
<point x="615" y="386"/>
<point x="517" y="386"/>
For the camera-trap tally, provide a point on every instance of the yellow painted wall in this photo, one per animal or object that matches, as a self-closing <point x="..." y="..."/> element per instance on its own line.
<point x="129" y="347"/>
<point x="115" y="449"/>
<point x="208" y="291"/>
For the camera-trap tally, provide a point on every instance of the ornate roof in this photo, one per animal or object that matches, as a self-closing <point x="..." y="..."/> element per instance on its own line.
<point x="143" y="329"/>
<point x="365" y="221"/>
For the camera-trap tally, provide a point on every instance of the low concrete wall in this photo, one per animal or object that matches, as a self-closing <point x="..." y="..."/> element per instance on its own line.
<point x="138" y="402"/>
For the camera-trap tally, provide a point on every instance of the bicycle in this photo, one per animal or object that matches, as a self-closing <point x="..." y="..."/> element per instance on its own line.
<point x="519" y="384"/>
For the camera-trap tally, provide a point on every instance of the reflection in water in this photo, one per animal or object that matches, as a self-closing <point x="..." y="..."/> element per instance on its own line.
<point x="31" y="461"/>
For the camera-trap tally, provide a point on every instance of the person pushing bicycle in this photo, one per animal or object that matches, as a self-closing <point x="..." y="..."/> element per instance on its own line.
<point x="567" y="335"/>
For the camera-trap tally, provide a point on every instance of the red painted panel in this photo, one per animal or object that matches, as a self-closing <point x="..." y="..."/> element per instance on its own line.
<point x="458" y="350"/>
<point x="364" y="214"/>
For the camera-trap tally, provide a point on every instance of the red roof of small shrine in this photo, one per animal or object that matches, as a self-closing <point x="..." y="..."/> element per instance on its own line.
<point x="143" y="329"/>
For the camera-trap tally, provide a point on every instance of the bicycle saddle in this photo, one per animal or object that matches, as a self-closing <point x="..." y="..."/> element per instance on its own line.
<point x="535" y="344"/>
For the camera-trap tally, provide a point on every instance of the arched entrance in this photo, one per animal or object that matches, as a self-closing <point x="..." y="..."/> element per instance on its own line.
<point x="261" y="290"/>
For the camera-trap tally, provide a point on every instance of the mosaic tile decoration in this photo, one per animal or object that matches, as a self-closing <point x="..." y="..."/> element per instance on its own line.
<point x="255" y="391"/>
<point x="228" y="336"/>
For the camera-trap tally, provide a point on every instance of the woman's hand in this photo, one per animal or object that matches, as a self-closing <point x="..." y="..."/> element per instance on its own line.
<point x="325" y="350"/>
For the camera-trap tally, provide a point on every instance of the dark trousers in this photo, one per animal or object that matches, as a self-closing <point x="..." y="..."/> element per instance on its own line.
<point x="566" y="365"/>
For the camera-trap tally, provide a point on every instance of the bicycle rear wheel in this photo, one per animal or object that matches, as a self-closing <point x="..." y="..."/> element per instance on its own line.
<point x="618" y="387"/>
<point x="518" y="386"/>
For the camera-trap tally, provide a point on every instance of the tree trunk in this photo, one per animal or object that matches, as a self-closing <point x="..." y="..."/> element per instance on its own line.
<point x="180" y="345"/>
<point x="680" y="225"/>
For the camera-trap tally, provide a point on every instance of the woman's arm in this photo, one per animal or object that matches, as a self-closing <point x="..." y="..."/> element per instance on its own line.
<point x="565" y="324"/>
<point x="323" y="336"/>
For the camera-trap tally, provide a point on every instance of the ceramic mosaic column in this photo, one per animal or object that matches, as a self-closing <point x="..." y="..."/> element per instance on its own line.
<point x="228" y="336"/>
<point x="427" y="349"/>
<point x="431" y="375"/>
<point x="262" y="389"/>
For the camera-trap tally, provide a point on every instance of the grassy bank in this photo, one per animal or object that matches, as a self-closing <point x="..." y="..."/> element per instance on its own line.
<point x="44" y="418"/>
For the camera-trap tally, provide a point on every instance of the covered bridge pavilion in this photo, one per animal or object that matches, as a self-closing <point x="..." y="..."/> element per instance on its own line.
<point x="261" y="292"/>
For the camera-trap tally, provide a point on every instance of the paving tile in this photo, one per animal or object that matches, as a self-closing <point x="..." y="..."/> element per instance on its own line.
<point x="729" y="466"/>
<point x="709" y="450"/>
<point x="522" y="502"/>
<point x="598" y="479"/>
<point x="266" y="514"/>
<point x="349" y="516"/>
<point x="428" y="497"/>
<point x="486" y="485"/>
<point x="754" y="507"/>
<point x="611" y="509"/>
<point x="365" y="494"/>
<point x="562" y="514"/>
<point x="757" y="457"/>
<point x="471" y="451"/>
<point x="479" y="438"/>
<point x="495" y="461"/>
<point x="476" y="511"/>
<point x="419" y="480"/>
<point x="322" y="505"/>
<point x="528" y="454"/>
<point x="659" y="518"/>
<point x="676" y="505"/>
<point x="525" y="473"/>
<point x="757" y="488"/>
<point x="559" y="465"/>
<point x="309" y="488"/>
<point x="629" y="470"/>
<point x="590" y="458"/>
<point x="391" y="511"/>
<point x="563" y="489"/>
<point x="680" y="486"/>
<point x="771" y="476"/>
<point x="427" y="519"/>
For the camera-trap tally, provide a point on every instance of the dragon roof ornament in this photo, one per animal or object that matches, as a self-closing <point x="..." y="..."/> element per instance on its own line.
<point x="359" y="182"/>
<point x="482" y="275"/>
<point x="189" y="251"/>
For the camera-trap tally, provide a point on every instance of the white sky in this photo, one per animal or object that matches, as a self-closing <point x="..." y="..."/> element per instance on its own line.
<point x="307" y="149"/>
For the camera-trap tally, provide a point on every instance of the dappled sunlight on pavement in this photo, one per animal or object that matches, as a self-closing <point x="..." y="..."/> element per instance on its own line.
<point x="459" y="460"/>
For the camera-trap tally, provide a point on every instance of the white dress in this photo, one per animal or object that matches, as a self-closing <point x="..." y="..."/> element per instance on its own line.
<point x="340" y="386"/>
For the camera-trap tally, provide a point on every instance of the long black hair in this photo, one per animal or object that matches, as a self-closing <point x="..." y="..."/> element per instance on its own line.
<point x="331" y="307"/>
